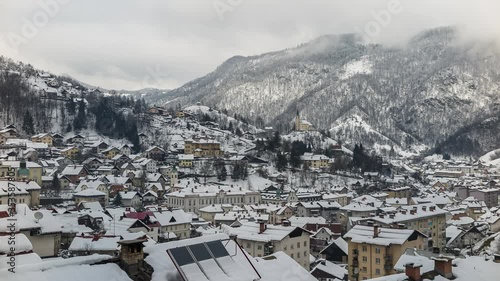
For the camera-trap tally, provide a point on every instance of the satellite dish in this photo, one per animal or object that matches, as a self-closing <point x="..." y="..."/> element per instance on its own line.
<point x="38" y="215"/>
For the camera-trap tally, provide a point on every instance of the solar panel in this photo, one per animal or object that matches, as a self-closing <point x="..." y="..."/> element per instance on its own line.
<point x="217" y="249"/>
<point x="181" y="256"/>
<point x="200" y="252"/>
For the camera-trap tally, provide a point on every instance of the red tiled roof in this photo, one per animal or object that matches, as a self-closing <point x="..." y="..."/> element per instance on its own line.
<point x="4" y="214"/>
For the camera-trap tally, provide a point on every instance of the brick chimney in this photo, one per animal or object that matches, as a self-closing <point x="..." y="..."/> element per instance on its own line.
<point x="376" y="231"/>
<point x="443" y="266"/>
<point x="412" y="270"/>
<point x="262" y="226"/>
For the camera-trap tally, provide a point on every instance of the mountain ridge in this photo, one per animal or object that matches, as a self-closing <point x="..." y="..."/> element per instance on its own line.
<point x="417" y="95"/>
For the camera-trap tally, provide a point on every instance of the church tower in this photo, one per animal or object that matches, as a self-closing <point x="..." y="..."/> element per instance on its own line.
<point x="297" y="121"/>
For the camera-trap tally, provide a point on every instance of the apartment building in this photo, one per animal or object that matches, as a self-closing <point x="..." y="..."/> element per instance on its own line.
<point x="316" y="161"/>
<point x="23" y="192"/>
<point x="260" y="239"/>
<point x="202" y="148"/>
<point x="43" y="138"/>
<point x="191" y="199"/>
<point x="425" y="218"/>
<point x="374" y="250"/>
<point x="22" y="170"/>
<point x="174" y="224"/>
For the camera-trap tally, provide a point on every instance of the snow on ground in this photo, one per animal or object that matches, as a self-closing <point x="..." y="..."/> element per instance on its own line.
<point x="491" y="158"/>
<point x="361" y="66"/>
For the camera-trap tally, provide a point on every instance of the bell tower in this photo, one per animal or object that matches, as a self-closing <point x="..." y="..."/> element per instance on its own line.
<point x="297" y="121"/>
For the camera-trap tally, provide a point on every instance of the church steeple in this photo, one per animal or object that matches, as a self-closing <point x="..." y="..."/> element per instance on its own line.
<point x="297" y="121"/>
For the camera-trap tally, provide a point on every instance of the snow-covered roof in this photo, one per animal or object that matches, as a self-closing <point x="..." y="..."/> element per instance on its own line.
<point x="90" y="193"/>
<point x="277" y="267"/>
<point x="251" y="231"/>
<point x="332" y="269"/>
<point x="89" y="243"/>
<point x="385" y="237"/>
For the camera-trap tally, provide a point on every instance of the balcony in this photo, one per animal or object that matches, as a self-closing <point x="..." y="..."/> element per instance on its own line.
<point x="388" y="266"/>
<point x="355" y="263"/>
<point x="388" y="258"/>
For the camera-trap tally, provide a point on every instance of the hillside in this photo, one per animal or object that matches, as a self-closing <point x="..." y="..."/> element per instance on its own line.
<point x="408" y="98"/>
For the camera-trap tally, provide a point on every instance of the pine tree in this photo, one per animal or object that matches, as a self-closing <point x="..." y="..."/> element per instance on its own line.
<point x="28" y="125"/>
<point x="117" y="201"/>
<point x="80" y="121"/>
<point x="281" y="162"/>
<point x="56" y="184"/>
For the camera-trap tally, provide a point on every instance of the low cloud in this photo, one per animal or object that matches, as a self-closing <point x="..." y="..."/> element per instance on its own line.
<point x="115" y="43"/>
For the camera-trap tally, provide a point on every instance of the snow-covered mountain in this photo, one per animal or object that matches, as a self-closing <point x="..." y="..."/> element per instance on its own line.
<point x="408" y="98"/>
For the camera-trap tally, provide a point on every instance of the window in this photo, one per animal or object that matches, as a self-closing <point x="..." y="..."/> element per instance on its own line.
<point x="377" y="260"/>
<point x="305" y="243"/>
<point x="298" y="245"/>
<point x="291" y="255"/>
<point x="364" y="248"/>
<point x="259" y="247"/>
<point x="377" y="271"/>
<point x="248" y="245"/>
<point x="365" y="258"/>
<point x="298" y="255"/>
<point x="364" y="268"/>
<point x="305" y="253"/>
<point x="377" y="250"/>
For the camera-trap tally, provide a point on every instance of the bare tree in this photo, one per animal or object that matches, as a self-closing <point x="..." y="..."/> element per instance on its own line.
<point x="206" y="169"/>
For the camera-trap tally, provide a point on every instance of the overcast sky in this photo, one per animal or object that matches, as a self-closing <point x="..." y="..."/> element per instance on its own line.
<point x="126" y="44"/>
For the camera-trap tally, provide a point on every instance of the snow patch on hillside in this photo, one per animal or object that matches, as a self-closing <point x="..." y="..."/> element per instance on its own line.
<point x="361" y="66"/>
<point x="491" y="158"/>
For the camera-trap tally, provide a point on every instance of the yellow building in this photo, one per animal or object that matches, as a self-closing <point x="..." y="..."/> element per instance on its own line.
<point x="180" y="114"/>
<point x="3" y="139"/>
<point x="111" y="152"/>
<point x="21" y="170"/>
<point x="302" y="125"/>
<point x="373" y="250"/>
<point x="399" y="192"/>
<point x="70" y="152"/>
<point x="43" y="138"/>
<point x="316" y="161"/>
<point x="22" y="192"/>
<point x="425" y="218"/>
<point x="186" y="161"/>
<point x="277" y="215"/>
<point x="202" y="148"/>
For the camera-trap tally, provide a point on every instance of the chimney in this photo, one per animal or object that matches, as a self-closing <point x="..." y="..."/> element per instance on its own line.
<point x="262" y="226"/>
<point x="443" y="266"/>
<point x="376" y="230"/>
<point x="412" y="270"/>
